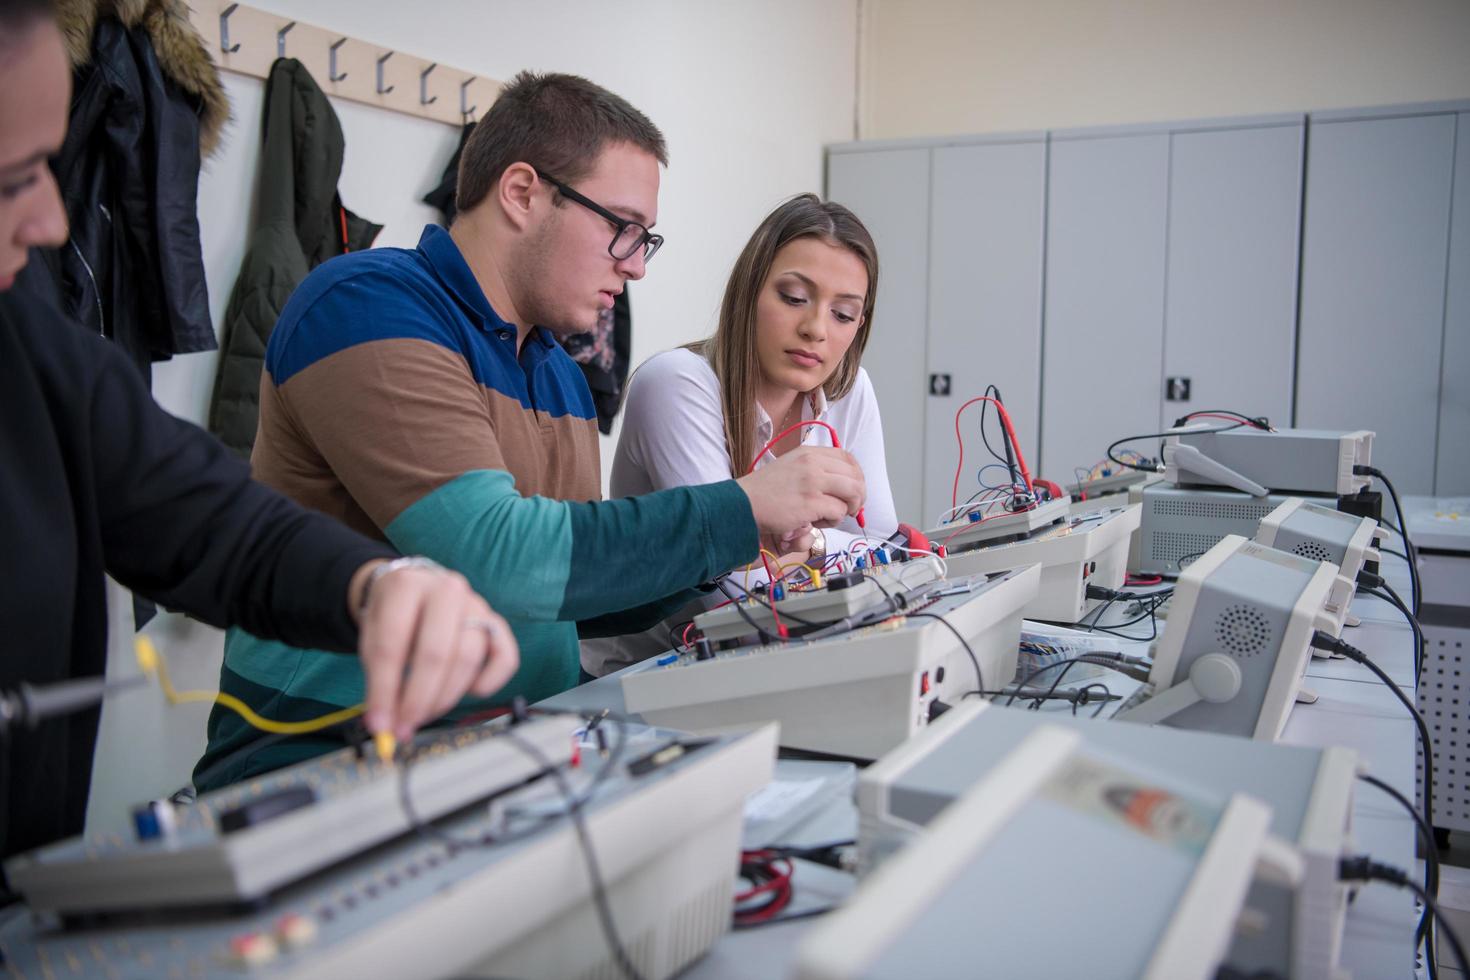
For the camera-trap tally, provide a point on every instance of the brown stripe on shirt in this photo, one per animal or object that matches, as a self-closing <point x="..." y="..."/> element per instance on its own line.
<point x="369" y="430"/>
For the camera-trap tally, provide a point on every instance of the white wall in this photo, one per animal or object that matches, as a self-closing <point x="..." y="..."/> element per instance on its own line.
<point x="747" y="94"/>
<point x="944" y="67"/>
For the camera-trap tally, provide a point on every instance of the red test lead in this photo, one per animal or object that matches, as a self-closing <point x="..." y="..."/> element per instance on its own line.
<point x="836" y="444"/>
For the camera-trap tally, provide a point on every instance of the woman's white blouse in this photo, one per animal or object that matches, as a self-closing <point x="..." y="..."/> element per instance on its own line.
<point x="674" y="435"/>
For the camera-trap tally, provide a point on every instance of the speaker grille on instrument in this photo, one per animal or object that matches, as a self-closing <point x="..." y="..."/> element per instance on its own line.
<point x="1243" y="631"/>
<point x="1312" y="550"/>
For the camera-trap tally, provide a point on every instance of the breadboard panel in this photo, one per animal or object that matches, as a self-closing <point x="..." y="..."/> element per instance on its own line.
<point x="353" y="805"/>
<point x="461" y="873"/>
<point x="961" y="532"/>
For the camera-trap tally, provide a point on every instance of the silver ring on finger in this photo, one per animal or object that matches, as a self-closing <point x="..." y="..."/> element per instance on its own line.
<point x="490" y="627"/>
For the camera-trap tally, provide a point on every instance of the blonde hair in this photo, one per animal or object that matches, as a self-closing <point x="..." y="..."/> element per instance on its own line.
<point x="731" y="351"/>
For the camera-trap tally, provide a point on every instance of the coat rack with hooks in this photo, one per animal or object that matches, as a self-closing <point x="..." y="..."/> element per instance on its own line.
<point x="247" y="40"/>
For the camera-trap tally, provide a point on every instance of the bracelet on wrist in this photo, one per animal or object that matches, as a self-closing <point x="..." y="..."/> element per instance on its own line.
<point x="388" y="568"/>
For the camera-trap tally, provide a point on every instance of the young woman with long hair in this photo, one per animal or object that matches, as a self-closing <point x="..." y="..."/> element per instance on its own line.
<point x="795" y="318"/>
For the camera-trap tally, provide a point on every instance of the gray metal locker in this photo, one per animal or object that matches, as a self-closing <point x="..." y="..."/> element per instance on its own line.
<point x="1374" y="258"/>
<point x="1103" y="344"/>
<point x="889" y="191"/>
<point x="987" y="231"/>
<point x="1231" y="293"/>
<point x="1452" y="471"/>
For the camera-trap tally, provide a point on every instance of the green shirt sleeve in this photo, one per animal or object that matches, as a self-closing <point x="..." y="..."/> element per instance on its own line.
<point x="546" y="560"/>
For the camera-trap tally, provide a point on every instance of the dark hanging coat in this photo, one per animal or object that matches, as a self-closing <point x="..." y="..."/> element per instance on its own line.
<point x="301" y="224"/>
<point x="146" y="99"/>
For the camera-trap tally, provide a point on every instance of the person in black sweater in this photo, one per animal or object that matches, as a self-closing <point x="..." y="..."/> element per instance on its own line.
<point x="98" y="479"/>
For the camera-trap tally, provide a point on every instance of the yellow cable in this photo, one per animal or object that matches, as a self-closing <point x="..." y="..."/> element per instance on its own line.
<point x="152" y="664"/>
<point x="780" y="568"/>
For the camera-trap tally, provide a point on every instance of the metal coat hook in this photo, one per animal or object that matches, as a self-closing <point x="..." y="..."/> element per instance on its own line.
<point x="381" y="89"/>
<point x="463" y="109"/>
<point x="332" y="75"/>
<point x="224" y="30"/>
<point x="424" y="86"/>
<point x="281" y="39"/>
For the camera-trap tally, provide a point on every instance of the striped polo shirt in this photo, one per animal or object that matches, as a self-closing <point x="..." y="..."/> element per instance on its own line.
<point x="395" y="400"/>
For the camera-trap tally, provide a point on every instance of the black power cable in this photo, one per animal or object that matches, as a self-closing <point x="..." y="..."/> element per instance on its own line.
<point x="1148" y="604"/>
<point x="1416" y="590"/>
<point x="1259" y="421"/>
<point x="1330" y="643"/>
<point x="1431" y="864"/>
<point x="1112" y="661"/>
<point x="574" y="807"/>
<point x="429" y="831"/>
<point x="1388" y="595"/>
<point x="787" y="917"/>
<point x="1366" y="869"/>
<point x="1162" y="435"/>
<point x="589" y="855"/>
<point x="1081" y="697"/>
<point x="1103" y="699"/>
<point x="1005" y="436"/>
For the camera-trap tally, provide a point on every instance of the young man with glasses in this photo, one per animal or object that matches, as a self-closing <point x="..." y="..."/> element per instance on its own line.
<point x="419" y="396"/>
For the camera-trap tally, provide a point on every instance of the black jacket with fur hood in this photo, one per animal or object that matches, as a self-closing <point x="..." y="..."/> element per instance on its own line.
<point x="147" y="101"/>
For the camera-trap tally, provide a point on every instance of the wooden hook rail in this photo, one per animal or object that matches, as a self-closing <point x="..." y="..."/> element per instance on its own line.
<point x="247" y="40"/>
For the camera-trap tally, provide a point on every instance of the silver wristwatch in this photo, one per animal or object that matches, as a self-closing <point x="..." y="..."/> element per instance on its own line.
<point x="818" y="552"/>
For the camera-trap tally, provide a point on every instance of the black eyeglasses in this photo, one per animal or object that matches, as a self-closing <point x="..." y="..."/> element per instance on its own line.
<point x="629" y="237"/>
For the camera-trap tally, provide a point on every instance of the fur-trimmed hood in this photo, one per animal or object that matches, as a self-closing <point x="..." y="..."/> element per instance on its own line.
<point x="181" y="51"/>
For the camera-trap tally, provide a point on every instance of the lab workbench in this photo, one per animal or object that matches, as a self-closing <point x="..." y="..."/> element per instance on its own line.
<point x="1353" y="710"/>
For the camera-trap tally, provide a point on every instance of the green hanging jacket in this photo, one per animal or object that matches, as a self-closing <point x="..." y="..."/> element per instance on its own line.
<point x="300" y="224"/>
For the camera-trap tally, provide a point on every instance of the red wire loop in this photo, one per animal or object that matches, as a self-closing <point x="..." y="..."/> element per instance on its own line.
<point x="836" y="444"/>
<point x="787" y="431"/>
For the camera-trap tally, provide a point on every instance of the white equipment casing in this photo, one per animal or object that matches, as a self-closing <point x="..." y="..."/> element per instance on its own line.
<point x="667" y="854"/>
<point x="666" y="841"/>
<point x="1281" y="461"/>
<point x="1181" y="523"/>
<point x="1310" y="792"/>
<point x="856" y="694"/>
<point x="1324" y="534"/>
<point x="1242" y="611"/>
<point x="1034" y="850"/>
<point x="1083" y="549"/>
